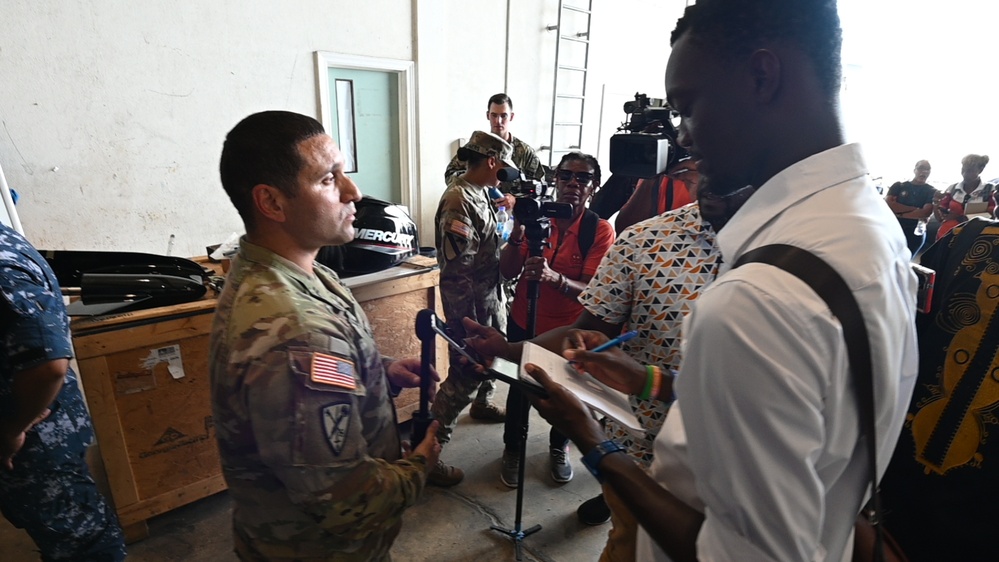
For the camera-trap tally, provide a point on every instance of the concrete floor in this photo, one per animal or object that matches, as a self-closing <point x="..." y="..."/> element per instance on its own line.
<point x="447" y="524"/>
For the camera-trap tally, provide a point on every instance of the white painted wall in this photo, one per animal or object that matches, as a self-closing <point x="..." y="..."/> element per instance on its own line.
<point x="921" y="83"/>
<point x="112" y="114"/>
<point x="630" y="45"/>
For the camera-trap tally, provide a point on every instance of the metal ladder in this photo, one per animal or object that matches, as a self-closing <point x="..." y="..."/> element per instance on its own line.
<point x="566" y="92"/>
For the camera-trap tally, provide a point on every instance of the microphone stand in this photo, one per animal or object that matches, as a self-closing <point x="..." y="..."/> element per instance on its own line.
<point x="536" y="234"/>
<point x="422" y="418"/>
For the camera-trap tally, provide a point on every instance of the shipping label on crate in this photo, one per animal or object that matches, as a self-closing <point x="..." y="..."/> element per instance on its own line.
<point x="169" y="355"/>
<point x="144" y="378"/>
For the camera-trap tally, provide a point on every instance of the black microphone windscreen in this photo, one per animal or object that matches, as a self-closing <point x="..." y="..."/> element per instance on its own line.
<point x="425" y="324"/>
<point x="508" y="174"/>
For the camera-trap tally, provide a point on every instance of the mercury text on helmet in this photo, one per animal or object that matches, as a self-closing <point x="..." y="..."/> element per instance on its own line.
<point x="386" y="236"/>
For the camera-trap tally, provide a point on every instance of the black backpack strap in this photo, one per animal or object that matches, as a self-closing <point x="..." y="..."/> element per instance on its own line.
<point x="587" y="231"/>
<point x="830" y="286"/>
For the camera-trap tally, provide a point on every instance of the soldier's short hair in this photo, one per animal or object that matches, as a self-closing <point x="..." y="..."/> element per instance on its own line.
<point x="263" y="149"/>
<point x="500" y="99"/>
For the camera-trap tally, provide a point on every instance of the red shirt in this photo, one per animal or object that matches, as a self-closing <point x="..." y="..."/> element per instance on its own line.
<point x="565" y="257"/>
<point x="681" y="195"/>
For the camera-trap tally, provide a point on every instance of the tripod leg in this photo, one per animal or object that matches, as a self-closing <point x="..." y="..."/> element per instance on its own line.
<point x="525" y="414"/>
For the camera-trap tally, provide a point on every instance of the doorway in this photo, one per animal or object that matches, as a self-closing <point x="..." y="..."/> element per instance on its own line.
<point x="367" y="105"/>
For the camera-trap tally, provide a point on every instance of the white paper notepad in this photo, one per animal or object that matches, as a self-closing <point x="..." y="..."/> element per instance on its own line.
<point x="595" y="394"/>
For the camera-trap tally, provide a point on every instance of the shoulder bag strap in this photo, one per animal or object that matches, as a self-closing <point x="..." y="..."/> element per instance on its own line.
<point x="834" y="291"/>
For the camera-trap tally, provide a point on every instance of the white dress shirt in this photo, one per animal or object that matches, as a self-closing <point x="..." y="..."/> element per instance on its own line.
<point x="765" y="437"/>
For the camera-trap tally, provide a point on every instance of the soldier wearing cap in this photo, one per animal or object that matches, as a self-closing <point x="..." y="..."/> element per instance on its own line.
<point x="468" y="251"/>
<point x="500" y="113"/>
<point x="301" y="399"/>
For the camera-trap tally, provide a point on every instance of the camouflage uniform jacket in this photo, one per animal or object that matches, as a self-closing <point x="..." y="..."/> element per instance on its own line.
<point x="468" y="255"/>
<point x="523" y="156"/>
<point x="306" y="428"/>
<point x="35" y="329"/>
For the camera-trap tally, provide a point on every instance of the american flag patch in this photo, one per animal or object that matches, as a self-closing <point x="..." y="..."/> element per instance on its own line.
<point x="327" y="369"/>
<point x="459" y="228"/>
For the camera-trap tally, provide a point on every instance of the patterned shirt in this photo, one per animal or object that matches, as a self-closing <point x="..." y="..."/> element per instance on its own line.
<point x="647" y="282"/>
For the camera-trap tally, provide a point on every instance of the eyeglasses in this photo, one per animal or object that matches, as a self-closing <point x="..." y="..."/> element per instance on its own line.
<point x="582" y="178"/>
<point x="708" y="195"/>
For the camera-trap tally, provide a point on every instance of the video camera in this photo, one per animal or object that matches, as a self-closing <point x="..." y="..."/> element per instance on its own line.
<point x="534" y="201"/>
<point x="534" y="207"/>
<point x="647" y="146"/>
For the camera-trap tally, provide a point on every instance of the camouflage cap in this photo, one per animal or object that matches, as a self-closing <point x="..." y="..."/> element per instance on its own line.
<point x="489" y="144"/>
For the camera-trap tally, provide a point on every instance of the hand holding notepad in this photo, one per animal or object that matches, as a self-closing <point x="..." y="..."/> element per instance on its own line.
<point x="595" y="394"/>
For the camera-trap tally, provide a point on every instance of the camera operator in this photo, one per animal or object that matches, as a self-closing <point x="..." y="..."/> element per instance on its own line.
<point x="468" y="253"/>
<point x="575" y="247"/>
<point x="499" y="111"/>
<point x="665" y="192"/>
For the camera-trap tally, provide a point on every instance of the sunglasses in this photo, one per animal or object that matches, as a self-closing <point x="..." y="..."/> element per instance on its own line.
<point x="582" y="178"/>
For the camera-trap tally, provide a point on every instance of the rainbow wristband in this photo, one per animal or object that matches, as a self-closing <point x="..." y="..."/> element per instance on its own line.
<point x="656" y="384"/>
<point x="650" y="371"/>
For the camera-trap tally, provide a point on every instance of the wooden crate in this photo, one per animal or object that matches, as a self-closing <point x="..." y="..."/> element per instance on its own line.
<point x="145" y="376"/>
<point x="391" y="306"/>
<point x="147" y="387"/>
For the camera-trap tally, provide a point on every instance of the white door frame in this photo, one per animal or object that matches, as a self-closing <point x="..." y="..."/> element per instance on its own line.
<point x="7" y="205"/>
<point x="407" y="111"/>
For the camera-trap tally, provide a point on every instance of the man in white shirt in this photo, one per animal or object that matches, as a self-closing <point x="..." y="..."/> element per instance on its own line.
<point x="762" y="457"/>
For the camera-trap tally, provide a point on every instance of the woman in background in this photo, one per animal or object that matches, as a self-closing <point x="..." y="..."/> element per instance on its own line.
<point x="573" y="251"/>
<point x="950" y="211"/>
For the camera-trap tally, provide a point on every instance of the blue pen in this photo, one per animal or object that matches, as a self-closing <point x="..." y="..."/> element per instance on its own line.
<point x="615" y="342"/>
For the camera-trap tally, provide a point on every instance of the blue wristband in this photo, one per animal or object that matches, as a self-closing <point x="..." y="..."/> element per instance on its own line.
<point x="592" y="459"/>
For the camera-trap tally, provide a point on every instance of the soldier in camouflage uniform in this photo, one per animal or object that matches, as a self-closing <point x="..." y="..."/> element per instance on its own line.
<point x="468" y="255"/>
<point x="500" y="113"/>
<point x="45" y="485"/>
<point x="300" y="395"/>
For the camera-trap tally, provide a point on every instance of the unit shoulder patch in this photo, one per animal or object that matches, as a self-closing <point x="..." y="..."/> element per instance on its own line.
<point x="336" y="422"/>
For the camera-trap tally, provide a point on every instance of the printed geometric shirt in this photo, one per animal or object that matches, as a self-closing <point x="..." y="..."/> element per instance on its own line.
<point x="647" y="282"/>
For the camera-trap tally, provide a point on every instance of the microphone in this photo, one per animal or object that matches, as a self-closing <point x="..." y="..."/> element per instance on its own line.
<point x="422" y="418"/>
<point x="425" y="320"/>
<point x="508" y="174"/>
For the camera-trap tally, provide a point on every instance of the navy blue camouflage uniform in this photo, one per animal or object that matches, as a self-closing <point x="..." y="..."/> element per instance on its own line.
<point x="50" y="493"/>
